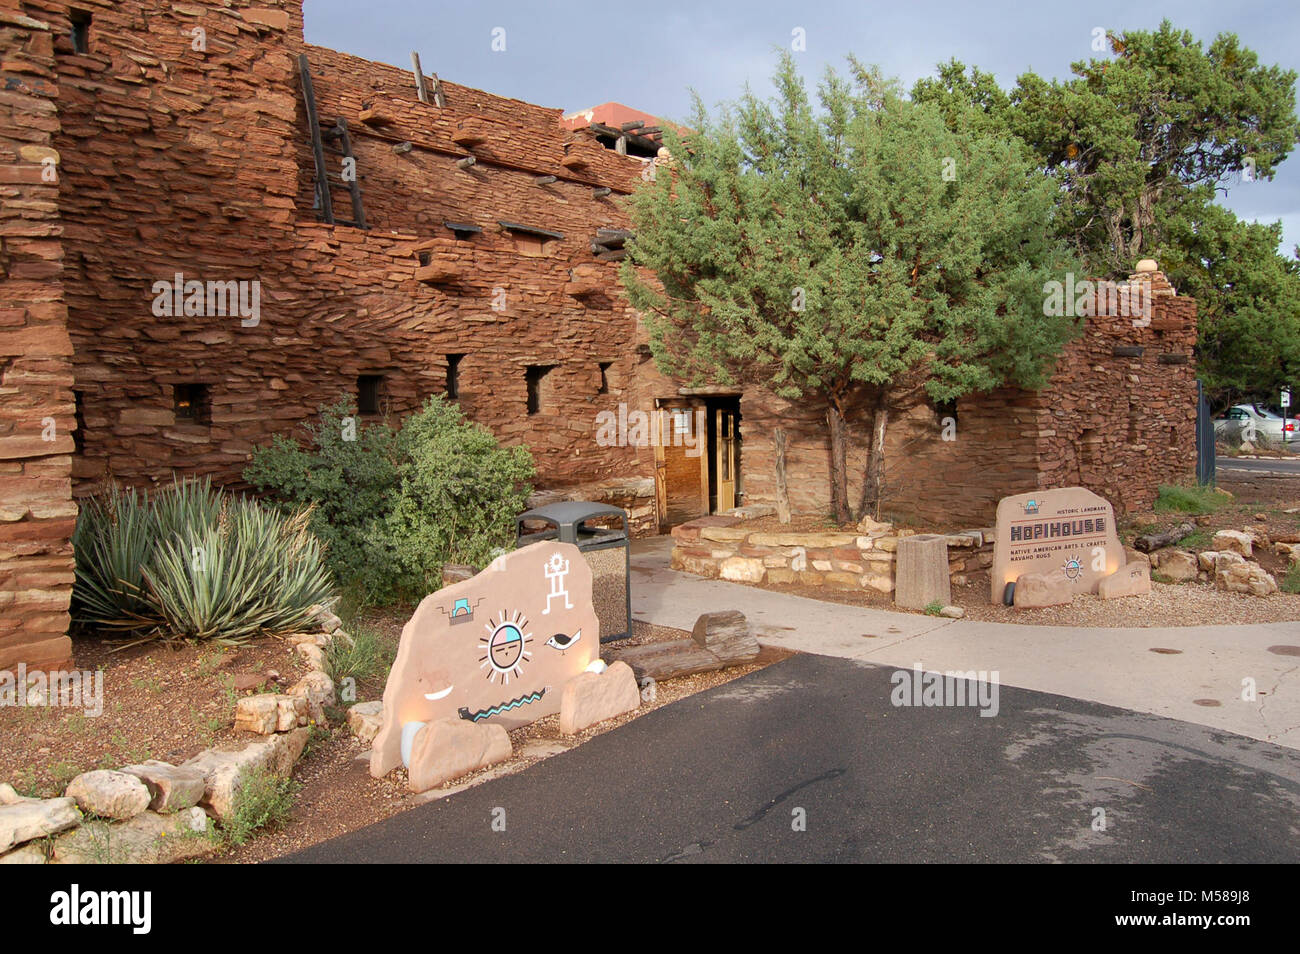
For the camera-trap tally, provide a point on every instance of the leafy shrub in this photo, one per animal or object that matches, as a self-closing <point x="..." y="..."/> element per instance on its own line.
<point x="1194" y="499"/>
<point x="349" y="483"/>
<point x="194" y="563"/>
<point x="394" y="506"/>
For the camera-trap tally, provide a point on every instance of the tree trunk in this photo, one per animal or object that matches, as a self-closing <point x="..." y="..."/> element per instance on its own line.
<point x="839" y="467"/>
<point x="782" y="491"/>
<point x="873" y="485"/>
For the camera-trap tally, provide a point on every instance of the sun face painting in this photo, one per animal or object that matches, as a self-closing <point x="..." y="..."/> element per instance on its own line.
<point x="498" y="647"/>
<point x="503" y="651"/>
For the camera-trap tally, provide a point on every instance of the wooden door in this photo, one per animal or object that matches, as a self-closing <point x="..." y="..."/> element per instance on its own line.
<point x="724" y="458"/>
<point x="681" y="465"/>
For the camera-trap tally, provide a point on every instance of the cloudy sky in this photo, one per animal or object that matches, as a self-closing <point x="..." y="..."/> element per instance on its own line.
<point x="571" y="54"/>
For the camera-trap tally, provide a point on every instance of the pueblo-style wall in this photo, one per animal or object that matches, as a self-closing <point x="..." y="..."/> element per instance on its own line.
<point x="1118" y="417"/>
<point x="199" y="162"/>
<point x="36" y="408"/>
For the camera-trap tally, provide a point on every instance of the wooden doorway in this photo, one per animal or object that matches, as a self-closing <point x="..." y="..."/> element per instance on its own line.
<point x="681" y="461"/>
<point x="726" y="485"/>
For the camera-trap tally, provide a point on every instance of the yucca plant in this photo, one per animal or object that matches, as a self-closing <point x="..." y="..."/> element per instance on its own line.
<point x="113" y="539"/>
<point x="251" y="571"/>
<point x="197" y="564"/>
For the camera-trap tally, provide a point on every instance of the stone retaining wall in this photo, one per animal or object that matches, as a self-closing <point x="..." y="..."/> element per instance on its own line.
<point x="721" y="547"/>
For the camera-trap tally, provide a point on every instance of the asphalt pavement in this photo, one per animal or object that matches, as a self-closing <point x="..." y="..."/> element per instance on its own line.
<point x="1259" y="465"/>
<point x="809" y="760"/>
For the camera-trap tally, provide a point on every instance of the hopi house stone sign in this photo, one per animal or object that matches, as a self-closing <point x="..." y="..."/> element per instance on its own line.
<point x="498" y="647"/>
<point x="1070" y="529"/>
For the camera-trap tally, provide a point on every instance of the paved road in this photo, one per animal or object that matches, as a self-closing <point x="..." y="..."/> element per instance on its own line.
<point x="1259" y="466"/>
<point x="718" y="777"/>
<point x="1200" y="681"/>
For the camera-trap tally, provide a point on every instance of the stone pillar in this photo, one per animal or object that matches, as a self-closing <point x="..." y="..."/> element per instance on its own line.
<point x="921" y="573"/>
<point x="37" y="415"/>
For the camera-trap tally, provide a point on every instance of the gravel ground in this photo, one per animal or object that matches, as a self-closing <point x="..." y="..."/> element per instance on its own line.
<point x="160" y="701"/>
<point x="1185" y="604"/>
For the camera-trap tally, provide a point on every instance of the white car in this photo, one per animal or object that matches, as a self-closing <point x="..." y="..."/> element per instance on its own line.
<point x="1252" y="422"/>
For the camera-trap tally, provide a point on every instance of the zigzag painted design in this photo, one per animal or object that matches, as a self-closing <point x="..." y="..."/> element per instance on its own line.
<point x="501" y="707"/>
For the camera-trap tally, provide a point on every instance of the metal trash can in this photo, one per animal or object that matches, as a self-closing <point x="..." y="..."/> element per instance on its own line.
<point x="567" y="522"/>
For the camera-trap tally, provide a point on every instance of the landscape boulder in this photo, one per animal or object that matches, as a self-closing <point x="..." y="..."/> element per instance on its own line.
<point x="109" y="794"/>
<point x="172" y="787"/>
<point x="365" y="720"/>
<point x="224" y="770"/>
<point x="26" y="855"/>
<point x="1243" y="576"/>
<point x="446" y="749"/>
<point x="1050" y="588"/>
<point x="1178" y="565"/>
<point x="1233" y="541"/>
<point x="147" y="839"/>
<point x="594" y="697"/>
<point x="31" y="818"/>
<point x="318" y="689"/>
<point x="267" y="713"/>
<point x="1132" y="579"/>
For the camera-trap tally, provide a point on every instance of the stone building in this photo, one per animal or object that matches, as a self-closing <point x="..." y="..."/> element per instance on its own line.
<point x="209" y="228"/>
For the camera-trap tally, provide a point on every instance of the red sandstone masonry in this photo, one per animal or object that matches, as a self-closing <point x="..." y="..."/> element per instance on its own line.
<point x="36" y="409"/>
<point x="211" y="177"/>
<point x="1120" y="426"/>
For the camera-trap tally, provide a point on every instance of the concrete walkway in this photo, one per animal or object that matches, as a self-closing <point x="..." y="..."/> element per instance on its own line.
<point x="1202" y="683"/>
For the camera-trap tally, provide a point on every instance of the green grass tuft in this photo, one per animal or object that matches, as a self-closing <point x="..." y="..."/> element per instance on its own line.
<point x="1200" y="499"/>
<point x="1290" y="583"/>
<point x="264" y="800"/>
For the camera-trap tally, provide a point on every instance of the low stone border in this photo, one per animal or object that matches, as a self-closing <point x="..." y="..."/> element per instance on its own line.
<point x="158" y="813"/>
<point x="721" y="547"/>
<point x="1228" y="564"/>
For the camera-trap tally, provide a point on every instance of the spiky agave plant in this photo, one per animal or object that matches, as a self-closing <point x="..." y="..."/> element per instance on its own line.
<point x="112" y="542"/>
<point x="195" y="563"/>
<point x="249" y="572"/>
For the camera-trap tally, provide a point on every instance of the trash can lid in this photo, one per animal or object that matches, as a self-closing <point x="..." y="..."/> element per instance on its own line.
<point x="567" y="512"/>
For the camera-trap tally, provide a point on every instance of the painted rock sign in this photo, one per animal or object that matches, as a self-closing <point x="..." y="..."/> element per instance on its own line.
<point x="1070" y="529"/>
<point x="499" y="646"/>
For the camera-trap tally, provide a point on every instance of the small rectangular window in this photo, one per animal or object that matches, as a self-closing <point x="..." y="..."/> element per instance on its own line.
<point x="191" y="403"/>
<point x="368" y="388"/>
<point x="80" y="34"/>
<point x="535" y="377"/>
<point x="79" y="416"/>
<point x="604" y="377"/>
<point x="453" y="375"/>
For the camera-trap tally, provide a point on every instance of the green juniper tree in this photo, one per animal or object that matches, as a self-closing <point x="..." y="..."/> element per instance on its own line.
<point x="1140" y="142"/>
<point x="1248" y="295"/>
<point x="846" y="256"/>
<point x="1140" y="132"/>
